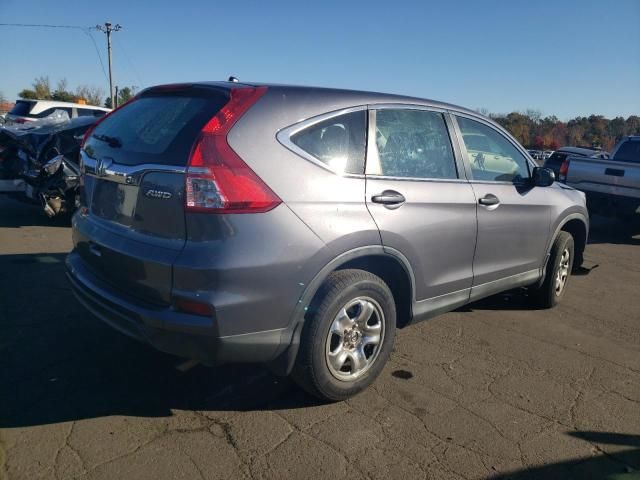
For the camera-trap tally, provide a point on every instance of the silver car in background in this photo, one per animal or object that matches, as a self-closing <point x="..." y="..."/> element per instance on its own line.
<point x="300" y="227"/>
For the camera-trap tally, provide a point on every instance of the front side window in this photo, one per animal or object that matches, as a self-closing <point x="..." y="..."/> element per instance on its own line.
<point x="491" y="155"/>
<point x="412" y="144"/>
<point x="338" y="142"/>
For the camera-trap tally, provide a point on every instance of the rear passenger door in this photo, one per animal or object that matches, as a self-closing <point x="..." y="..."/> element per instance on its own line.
<point x="421" y="201"/>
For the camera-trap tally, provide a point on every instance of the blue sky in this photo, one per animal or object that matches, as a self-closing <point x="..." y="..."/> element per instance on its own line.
<point x="565" y="58"/>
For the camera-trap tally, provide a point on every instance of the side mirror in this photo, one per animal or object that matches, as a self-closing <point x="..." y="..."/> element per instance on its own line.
<point x="543" y="177"/>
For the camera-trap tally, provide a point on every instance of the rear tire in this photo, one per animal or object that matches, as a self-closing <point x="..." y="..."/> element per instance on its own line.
<point x="558" y="271"/>
<point x="348" y="336"/>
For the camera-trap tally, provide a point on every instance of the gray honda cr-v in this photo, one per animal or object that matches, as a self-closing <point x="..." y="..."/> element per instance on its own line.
<point x="297" y="226"/>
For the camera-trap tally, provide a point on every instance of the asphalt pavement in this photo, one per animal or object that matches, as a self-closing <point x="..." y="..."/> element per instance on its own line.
<point x="495" y="389"/>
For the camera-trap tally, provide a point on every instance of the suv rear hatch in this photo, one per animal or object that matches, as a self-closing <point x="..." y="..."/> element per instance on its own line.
<point x="134" y="185"/>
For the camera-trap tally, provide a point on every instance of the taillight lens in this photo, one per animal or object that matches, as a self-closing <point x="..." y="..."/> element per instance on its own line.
<point x="217" y="179"/>
<point x="564" y="169"/>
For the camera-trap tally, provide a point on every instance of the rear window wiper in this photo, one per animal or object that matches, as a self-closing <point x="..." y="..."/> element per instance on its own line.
<point x="113" y="142"/>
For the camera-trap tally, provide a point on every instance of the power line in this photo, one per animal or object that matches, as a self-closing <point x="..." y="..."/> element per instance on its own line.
<point x="93" y="40"/>
<point x="131" y="64"/>
<point x="39" y="25"/>
<point x="85" y="30"/>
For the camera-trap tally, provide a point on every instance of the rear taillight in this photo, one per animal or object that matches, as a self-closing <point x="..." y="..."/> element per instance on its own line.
<point x="217" y="179"/>
<point x="564" y="169"/>
<point x="19" y="120"/>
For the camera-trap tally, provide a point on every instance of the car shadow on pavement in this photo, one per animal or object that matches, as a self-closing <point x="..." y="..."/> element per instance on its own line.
<point x="59" y="363"/>
<point x="614" y="231"/>
<point x="624" y="464"/>
<point x="16" y="214"/>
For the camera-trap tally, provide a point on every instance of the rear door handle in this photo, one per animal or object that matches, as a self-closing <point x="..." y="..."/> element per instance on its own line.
<point x="389" y="198"/>
<point x="488" y="200"/>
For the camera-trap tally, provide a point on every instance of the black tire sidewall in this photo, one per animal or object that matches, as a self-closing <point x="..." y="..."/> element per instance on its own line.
<point x="550" y="297"/>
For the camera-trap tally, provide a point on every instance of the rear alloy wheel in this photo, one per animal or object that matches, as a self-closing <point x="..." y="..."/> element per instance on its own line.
<point x="557" y="273"/>
<point x="355" y="338"/>
<point x="348" y="337"/>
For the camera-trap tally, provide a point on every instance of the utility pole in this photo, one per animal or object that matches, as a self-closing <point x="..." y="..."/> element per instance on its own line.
<point x="108" y="28"/>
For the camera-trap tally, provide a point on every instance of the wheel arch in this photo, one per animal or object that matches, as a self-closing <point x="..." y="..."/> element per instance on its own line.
<point x="578" y="226"/>
<point x="389" y="264"/>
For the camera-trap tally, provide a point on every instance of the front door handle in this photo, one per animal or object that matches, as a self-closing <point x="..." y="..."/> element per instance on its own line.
<point x="488" y="200"/>
<point x="389" y="198"/>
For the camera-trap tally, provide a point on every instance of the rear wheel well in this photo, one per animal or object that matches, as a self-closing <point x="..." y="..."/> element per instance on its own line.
<point x="394" y="275"/>
<point x="578" y="231"/>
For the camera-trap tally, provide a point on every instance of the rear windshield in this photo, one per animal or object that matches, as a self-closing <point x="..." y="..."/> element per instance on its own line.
<point x="155" y="128"/>
<point x="629" y="151"/>
<point x="22" y="108"/>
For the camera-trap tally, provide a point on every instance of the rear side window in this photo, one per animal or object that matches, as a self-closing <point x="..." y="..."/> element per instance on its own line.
<point x="412" y="144"/>
<point x="491" y="155"/>
<point x="338" y="142"/>
<point x="155" y="128"/>
<point x="50" y="111"/>
<point x="22" y="108"/>
<point x="629" y="151"/>
<point x="88" y="112"/>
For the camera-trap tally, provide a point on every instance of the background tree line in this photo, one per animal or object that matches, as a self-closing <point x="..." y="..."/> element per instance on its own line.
<point x="594" y="131"/>
<point x="42" y="90"/>
<point x="529" y="127"/>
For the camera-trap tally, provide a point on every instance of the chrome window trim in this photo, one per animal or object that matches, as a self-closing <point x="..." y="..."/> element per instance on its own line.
<point x="284" y="137"/>
<point x="405" y="106"/>
<point x="129" y="174"/>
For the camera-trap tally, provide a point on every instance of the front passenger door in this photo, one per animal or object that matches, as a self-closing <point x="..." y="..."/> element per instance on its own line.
<point x="513" y="215"/>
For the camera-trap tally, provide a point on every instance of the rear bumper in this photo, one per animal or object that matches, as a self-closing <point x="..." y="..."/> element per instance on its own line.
<point x="173" y="332"/>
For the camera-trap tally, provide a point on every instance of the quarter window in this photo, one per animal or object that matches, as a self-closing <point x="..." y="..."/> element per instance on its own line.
<point x="338" y="142"/>
<point x="411" y="144"/>
<point x="491" y="155"/>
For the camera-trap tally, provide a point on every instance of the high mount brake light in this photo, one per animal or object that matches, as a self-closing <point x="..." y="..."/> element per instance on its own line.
<point x="217" y="179"/>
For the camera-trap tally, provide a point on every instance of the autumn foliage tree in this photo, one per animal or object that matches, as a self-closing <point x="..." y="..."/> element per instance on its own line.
<point x="534" y="131"/>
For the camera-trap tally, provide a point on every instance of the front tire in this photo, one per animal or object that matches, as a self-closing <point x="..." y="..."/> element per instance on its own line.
<point x="558" y="271"/>
<point x="348" y="336"/>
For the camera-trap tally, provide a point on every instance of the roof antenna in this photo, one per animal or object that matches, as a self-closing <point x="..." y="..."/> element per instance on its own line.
<point x="233" y="79"/>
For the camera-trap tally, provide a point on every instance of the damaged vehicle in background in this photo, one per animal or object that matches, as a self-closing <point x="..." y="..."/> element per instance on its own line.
<point x="39" y="161"/>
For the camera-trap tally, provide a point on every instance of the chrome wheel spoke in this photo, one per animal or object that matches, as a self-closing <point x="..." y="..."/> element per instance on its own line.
<point x="371" y="339"/>
<point x="337" y="358"/>
<point x="342" y="323"/>
<point x="358" y="360"/>
<point x="366" y="310"/>
<point x="374" y="329"/>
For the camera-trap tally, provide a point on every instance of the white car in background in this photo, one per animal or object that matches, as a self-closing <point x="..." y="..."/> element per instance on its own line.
<point x="30" y="110"/>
